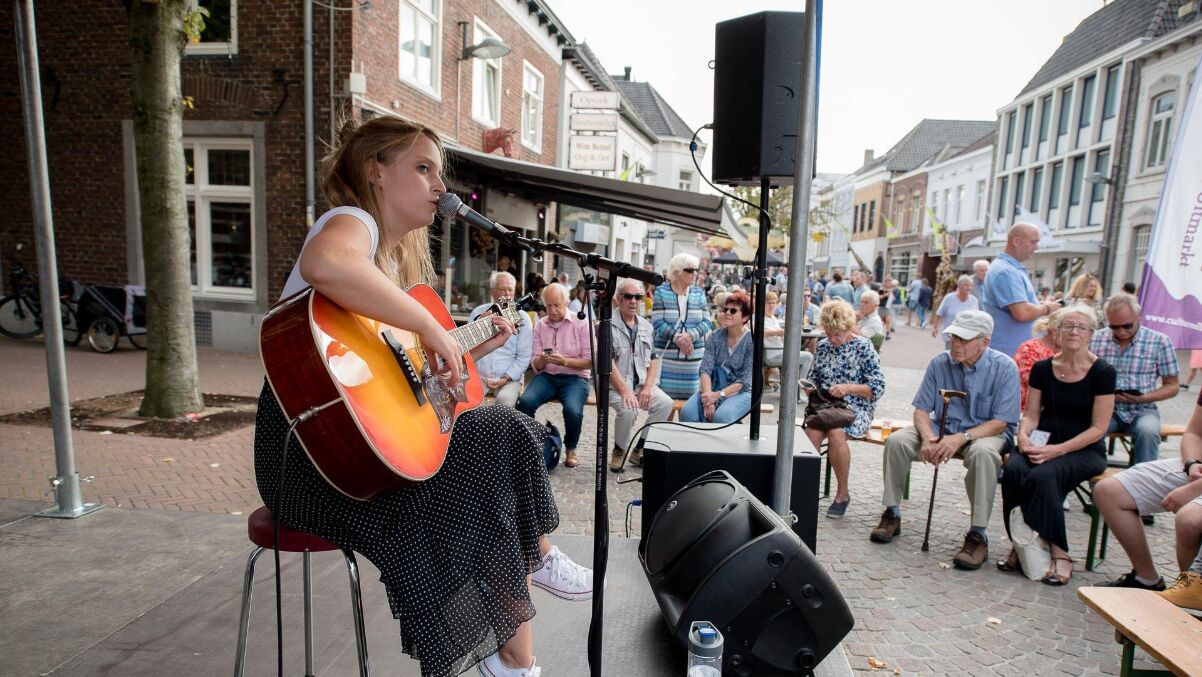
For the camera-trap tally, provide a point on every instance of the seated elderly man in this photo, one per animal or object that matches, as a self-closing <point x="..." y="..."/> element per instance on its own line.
<point x="562" y="362"/>
<point x="502" y="369"/>
<point x="1172" y="485"/>
<point x="868" y="321"/>
<point x="978" y="428"/>
<point x="1140" y="356"/>
<point x="635" y="371"/>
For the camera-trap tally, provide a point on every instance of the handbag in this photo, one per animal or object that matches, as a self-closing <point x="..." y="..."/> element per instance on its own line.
<point x="825" y="411"/>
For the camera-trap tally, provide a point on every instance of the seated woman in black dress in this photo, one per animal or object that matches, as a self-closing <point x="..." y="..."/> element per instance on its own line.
<point x="1071" y="397"/>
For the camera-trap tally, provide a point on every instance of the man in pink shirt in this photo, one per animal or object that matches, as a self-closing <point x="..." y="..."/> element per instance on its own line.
<point x="562" y="362"/>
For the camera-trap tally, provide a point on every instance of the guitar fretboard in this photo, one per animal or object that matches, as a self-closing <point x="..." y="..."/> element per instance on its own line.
<point x="474" y="333"/>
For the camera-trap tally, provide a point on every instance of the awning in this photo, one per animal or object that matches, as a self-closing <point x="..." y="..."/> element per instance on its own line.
<point x="683" y="209"/>
<point x="976" y="248"/>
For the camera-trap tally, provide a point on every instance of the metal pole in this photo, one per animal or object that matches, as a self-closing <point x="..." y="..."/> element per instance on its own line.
<point x="310" y="202"/>
<point x="807" y="127"/>
<point x="759" y="281"/>
<point x="66" y="483"/>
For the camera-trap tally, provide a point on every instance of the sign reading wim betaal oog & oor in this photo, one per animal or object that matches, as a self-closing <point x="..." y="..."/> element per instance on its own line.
<point x="590" y="151"/>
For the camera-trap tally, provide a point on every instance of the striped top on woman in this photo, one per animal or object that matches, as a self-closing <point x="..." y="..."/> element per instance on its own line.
<point x="678" y="375"/>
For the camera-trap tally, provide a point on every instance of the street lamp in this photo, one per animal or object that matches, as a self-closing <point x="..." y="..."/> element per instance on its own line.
<point x="488" y="48"/>
<point x="1099" y="177"/>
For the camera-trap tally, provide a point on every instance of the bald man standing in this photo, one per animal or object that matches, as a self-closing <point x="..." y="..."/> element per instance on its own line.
<point x="1009" y="296"/>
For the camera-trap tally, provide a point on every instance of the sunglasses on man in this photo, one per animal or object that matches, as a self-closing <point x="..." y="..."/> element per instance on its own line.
<point x="1125" y="327"/>
<point x="632" y="297"/>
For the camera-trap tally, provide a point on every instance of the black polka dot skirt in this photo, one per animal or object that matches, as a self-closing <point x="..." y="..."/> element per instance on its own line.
<point x="453" y="551"/>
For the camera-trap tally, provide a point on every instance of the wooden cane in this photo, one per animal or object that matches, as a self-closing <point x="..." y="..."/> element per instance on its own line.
<point x="947" y="396"/>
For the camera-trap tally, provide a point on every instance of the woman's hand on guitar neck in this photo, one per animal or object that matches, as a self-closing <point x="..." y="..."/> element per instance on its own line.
<point x="437" y="341"/>
<point x="505" y="329"/>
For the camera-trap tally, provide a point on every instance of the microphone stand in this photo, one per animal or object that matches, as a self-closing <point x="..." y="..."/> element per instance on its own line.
<point x="603" y="284"/>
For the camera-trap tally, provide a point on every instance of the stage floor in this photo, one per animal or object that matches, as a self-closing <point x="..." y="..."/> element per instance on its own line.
<point x="142" y="593"/>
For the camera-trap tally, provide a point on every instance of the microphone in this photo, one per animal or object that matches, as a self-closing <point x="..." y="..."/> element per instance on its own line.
<point x="449" y="205"/>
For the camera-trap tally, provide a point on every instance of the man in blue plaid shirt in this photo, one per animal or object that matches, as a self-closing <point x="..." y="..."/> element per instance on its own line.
<point x="1139" y="355"/>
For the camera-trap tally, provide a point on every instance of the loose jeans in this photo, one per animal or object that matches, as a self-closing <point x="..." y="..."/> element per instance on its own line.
<point x="732" y="409"/>
<point x="572" y="391"/>
<point x="982" y="459"/>
<point x="1144" y="430"/>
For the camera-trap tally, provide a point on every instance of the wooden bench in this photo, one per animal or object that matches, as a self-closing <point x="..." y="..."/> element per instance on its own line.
<point x="1084" y="493"/>
<point x="1167" y="430"/>
<point x="1144" y="619"/>
<point x="677" y="405"/>
<point x="875" y="436"/>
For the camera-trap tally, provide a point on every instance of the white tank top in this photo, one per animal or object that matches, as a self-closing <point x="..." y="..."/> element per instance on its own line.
<point x="297" y="283"/>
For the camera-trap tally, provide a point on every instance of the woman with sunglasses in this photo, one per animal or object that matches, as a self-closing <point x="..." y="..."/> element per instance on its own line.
<point x="724" y="394"/>
<point x="1071" y="399"/>
<point x="681" y="322"/>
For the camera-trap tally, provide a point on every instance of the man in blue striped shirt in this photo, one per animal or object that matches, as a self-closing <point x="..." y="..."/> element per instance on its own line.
<point x="977" y="429"/>
<point x="502" y="370"/>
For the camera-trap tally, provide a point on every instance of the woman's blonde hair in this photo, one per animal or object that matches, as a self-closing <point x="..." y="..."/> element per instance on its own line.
<point x="836" y="316"/>
<point x="1077" y="291"/>
<point x="1081" y="309"/>
<point x="345" y="183"/>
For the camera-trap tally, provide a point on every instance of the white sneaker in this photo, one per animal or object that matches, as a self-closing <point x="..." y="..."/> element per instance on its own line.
<point x="564" y="578"/>
<point x="493" y="667"/>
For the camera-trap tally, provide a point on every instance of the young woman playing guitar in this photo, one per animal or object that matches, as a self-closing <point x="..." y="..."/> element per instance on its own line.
<point x="455" y="552"/>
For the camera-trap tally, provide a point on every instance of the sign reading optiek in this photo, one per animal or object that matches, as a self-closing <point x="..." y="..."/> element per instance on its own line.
<point x="1171" y="294"/>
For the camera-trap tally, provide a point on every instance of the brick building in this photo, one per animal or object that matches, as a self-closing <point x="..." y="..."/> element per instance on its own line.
<point x="244" y="137"/>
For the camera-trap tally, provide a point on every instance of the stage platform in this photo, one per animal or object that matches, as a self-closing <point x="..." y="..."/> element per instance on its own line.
<point x="142" y="593"/>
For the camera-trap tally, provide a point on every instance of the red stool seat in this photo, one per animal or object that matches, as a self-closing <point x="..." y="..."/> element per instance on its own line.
<point x="261" y="526"/>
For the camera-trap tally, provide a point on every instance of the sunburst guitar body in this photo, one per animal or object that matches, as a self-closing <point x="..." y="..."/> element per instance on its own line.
<point x="375" y="414"/>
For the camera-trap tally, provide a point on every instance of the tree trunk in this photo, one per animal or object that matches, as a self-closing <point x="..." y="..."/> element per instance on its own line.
<point x="157" y="39"/>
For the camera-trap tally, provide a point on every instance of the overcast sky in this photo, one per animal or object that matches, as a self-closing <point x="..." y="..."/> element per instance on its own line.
<point x="886" y="64"/>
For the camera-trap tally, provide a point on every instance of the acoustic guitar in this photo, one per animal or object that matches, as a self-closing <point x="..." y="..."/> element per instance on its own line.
<point x="374" y="413"/>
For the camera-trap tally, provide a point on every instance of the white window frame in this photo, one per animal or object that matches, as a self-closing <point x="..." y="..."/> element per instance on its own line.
<point x="434" y="89"/>
<point x="535" y="142"/>
<point x="480" y="32"/>
<point x="1157" y="158"/>
<point x="219" y="48"/>
<point x="685" y="181"/>
<point x="201" y="193"/>
<point x="979" y="209"/>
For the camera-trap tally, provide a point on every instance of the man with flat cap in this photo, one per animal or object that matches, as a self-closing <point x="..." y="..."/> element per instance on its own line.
<point x="977" y="429"/>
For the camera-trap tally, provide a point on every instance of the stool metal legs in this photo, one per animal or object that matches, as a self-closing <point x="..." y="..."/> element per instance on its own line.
<point x="248" y="581"/>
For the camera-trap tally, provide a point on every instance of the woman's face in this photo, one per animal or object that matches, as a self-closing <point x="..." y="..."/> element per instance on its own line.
<point x="732" y="316"/>
<point x="1091" y="288"/>
<point x="1075" y="332"/>
<point x="684" y="276"/>
<point x="410" y="183"/>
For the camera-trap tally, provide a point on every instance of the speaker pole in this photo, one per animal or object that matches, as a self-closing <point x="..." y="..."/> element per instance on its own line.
<point x="807" y="127"/>
<point x="760" y="281"/>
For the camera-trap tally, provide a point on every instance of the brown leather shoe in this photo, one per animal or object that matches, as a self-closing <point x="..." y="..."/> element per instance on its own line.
<point x="615" y="460"/>
<point x="889" y="527"/>
<point x="570" y="460"/>
<point x="973" y="553"/>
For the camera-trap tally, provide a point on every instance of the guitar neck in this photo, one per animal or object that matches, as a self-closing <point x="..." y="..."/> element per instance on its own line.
<point x="478" y="331"/>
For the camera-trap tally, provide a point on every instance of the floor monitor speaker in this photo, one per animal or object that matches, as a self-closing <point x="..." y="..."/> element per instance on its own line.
<point x="715" y="553"/>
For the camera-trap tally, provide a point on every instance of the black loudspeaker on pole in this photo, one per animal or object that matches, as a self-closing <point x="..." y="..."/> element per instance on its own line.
<point x="716" y="553"/>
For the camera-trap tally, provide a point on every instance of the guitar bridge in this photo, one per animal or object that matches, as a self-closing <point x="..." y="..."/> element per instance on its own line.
<point x="402" y="359"/>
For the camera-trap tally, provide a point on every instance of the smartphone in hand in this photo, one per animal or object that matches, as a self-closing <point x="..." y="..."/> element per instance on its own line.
<point x="1039" y="438"/>
<point x="1128" y="391"/>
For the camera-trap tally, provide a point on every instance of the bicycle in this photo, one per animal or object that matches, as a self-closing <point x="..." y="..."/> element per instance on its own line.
<point x="21" y="309"/>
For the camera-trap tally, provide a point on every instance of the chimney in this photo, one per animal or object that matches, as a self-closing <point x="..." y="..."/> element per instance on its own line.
<point x="628" y="74"/>
<point x="868" y="155"/>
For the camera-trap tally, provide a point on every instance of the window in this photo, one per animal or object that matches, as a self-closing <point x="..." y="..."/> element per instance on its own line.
<point x="979" y="210"/>
<point x="1066" y="104"/>
<point x="1141" y="237"/>
<point x="1074" y="191"/>
<point x="946" y="213"/>
<point x="959" y="204"/>
<point x="872" y="215"/>
<point x="1028" y="113"/>
<point x="901" y="216"/>
<point x="1160" y="128"/>
<point x="1045" y="123"/>
<point x="1018" y="191"/>
<point x="686" y="181"/>
<point x="532" y="108"/>
<point x="1110" y="102"/>
<point x="1036" y="184"/>
<point x="420" y="44"/>
<point x="1009" y="138"/>
<point x="220" y="208"/>
<point x="1085" y="117"/>
<point x="916" y="223"/>
<point x="220" y="35"/>
<point x="1055" y="181"/>
<point x="1001" y="200"/>
<point x="902" y="268"/>
<point x="486" y="83"/>
<point x="1097" y="194"/>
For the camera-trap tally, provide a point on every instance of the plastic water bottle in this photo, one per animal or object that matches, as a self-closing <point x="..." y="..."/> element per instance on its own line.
<point x="705" y="650"/>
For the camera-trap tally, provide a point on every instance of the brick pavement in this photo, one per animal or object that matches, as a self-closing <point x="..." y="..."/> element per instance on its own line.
<point x="911" y="612"/>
